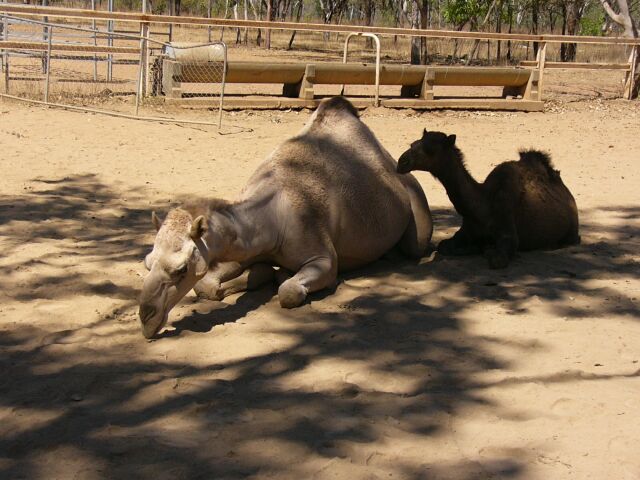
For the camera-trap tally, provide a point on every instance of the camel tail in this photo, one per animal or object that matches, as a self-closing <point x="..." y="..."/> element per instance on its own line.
<point x="536" y="157"/>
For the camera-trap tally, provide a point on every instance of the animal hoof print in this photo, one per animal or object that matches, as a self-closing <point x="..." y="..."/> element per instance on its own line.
<point x="291" y="295"/>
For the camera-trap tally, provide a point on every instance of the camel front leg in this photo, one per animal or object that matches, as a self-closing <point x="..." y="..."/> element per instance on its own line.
<point x="462" y="243"/>
<point x="319" y="273"/>
<point x="505" y="234"/>
<point x="251" y="278"/>
<point x="233" y="277"/>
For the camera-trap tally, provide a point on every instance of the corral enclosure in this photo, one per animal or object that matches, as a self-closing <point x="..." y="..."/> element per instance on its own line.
<point x="111" y="77"/>
<point x="440" y="369"/>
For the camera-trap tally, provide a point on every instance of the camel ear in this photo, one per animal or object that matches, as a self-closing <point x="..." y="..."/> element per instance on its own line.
<point x="424" y="133"/>
<point x="451" y="140"/>
<point x="156" y="220"/>
<point x="198" y="227"/>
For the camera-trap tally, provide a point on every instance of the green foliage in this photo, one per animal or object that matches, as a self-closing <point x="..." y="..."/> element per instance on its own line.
<point x="459" y="12"/>
<point x="592" y="21"/>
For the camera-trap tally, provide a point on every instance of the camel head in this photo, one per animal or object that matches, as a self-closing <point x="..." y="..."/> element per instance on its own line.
<point x="428" y="153"/>
<point x="176" y="263"/>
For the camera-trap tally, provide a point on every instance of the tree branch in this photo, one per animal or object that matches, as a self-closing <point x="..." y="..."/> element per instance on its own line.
<point x="613" y="15"/>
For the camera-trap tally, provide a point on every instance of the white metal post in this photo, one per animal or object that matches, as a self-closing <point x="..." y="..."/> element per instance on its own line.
<point x="344" y="60"/>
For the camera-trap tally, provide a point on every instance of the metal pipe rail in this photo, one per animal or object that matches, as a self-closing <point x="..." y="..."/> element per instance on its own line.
<point x="344" y="60"/>
<point x="578" y="65"/>
<point x="66" y="47"/>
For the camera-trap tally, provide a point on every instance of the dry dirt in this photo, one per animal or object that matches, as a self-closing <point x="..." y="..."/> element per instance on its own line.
<point x="441" y="369"/>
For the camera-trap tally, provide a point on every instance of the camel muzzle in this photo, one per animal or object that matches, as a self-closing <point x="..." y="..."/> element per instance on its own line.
<point x="404" y="165"/>
<point x="152" y="320"/>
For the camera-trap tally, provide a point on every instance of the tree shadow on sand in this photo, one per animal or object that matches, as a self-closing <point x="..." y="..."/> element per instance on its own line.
<point x="388" y="357"/>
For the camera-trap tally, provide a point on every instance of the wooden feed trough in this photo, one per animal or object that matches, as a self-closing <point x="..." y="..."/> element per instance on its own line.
<point x="416" y="82"/>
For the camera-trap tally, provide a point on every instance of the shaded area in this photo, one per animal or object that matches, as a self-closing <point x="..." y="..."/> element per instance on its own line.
<point x="398" y="328"/>
<point x="75" y="217"/>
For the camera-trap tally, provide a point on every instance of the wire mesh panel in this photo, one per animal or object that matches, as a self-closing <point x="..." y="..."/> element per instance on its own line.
<point x="107" y="67"/>
<point x="184" y="70"/>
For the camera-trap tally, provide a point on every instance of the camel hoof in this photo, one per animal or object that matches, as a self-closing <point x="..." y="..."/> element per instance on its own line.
<point x="291" y="294"/>
<point x="216" y="294"/>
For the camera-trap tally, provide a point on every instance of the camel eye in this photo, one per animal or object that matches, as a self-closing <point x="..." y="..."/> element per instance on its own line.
<point x="181" y="271"/>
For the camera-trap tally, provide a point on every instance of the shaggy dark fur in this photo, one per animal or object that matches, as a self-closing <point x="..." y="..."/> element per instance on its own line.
<point x="522" y="205"/>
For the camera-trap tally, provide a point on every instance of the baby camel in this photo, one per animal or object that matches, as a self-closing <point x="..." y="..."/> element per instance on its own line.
<point x="326" y="200"/>
<point x="522" y="205"/>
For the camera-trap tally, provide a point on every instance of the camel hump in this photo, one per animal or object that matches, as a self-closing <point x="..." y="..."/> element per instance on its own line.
<point x="336" y="104"/>
<point x="535" y="158"/>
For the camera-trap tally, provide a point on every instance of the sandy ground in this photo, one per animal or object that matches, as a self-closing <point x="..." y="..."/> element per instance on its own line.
<point x="441" y="369"/>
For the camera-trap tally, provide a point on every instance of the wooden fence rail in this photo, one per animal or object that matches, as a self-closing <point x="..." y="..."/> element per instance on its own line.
<point x="31" y="10"/>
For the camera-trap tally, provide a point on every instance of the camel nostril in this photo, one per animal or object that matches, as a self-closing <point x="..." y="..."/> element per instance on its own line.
<point x="146" y="312"/>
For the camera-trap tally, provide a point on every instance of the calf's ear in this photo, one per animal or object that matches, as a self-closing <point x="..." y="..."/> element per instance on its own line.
<point x="156" y="220"/>
<point x="451" y="140"/>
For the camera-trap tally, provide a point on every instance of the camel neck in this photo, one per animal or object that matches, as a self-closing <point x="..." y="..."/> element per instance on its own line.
<point x="463" y="190"/>
<point x="239" y="232"/>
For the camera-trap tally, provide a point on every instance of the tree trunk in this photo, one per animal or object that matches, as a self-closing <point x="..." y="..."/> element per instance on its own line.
<point x="267" y="42"/>
<point x="510" y="14"/>
<point x="298" y="16"/>
<point x="424" y="24"/>
<point x="415" y="41"/>
<point x="623" y="18"/>
<point x="369" y="13"/>
<point x="572" y="14"/>
<point x="626" y="21"/>
<point x="499" y="29"/>
<point x="535" y="10"/>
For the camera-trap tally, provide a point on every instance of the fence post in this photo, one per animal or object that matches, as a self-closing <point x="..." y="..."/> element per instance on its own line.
<point x="541" y="58"/>
<point x="224" y="82"/>
<point x="110" y="26"/>
<point x="144" y="64"/>
<point x="48" y="77"/>
<point x="630" y="81"/>
<point x="95" y="43"/>
<point x="144" y="47"/>
<point x="5" y="55"/>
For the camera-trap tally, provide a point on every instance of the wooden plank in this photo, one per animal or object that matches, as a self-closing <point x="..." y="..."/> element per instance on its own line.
<point x="233" y="103"/>
<point x="576" y="65"/>
<point x="480" y="76"/>
<point x="66" y="47"/>
<point x="465" y="104"/>
<point x="334" y="73"/>
<point x="32" y="10"/>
